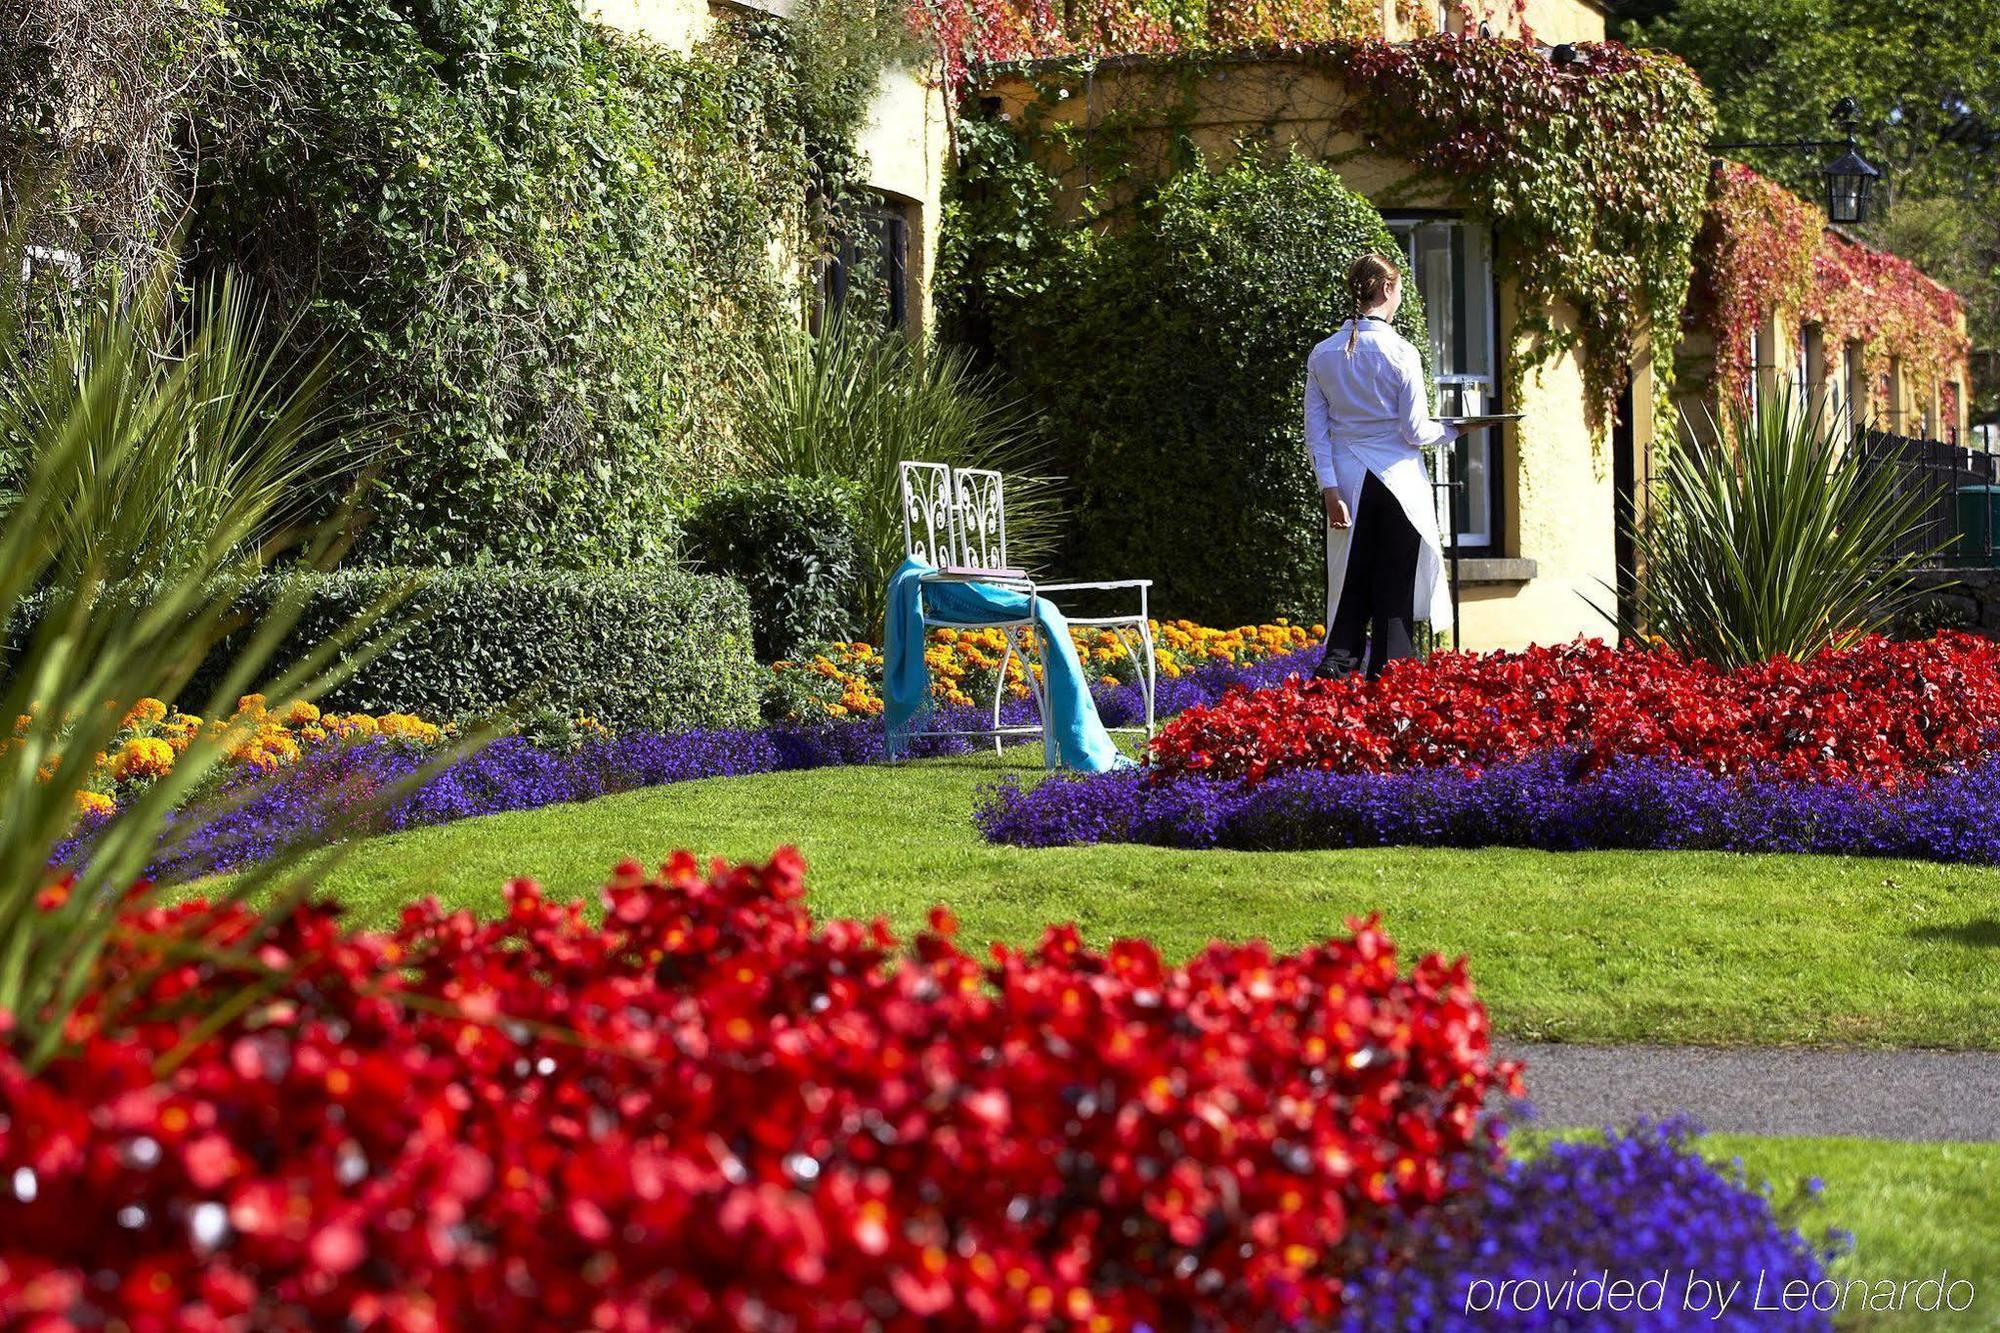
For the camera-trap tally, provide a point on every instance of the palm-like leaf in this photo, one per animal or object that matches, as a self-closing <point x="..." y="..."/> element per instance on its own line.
<point x="850" y="404"/>
<point x="1772" y="536"/>
<point x="162" y="451"/>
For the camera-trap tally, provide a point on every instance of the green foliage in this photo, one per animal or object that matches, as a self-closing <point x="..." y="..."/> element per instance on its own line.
<point x="1167" y="358"/>
<point x="849" y="405"/>
<point x="157" y="444"/>
<point x="658" y="649"/>
<point x="538" y="238"/>
<point x="1594" y="180"/>
<point x="1782" y="543"/>
<point x="791" y="542"/>
<point x="1929" y="89"/>
<point x="540" y="244"/>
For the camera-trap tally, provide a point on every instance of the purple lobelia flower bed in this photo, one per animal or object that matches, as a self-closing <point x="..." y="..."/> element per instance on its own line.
<point x="338" y="792"/>
<point x="1637" y="804"/>
<point x="1633" y="1232"/>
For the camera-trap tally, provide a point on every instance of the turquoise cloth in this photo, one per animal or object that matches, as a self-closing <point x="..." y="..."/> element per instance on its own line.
<point x="1080" y="737"/>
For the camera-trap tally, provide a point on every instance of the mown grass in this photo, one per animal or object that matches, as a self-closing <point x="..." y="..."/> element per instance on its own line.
<point x="1603" y="947"/>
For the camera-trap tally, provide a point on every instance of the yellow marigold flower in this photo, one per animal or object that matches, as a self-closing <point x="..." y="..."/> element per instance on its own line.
<point x="145" y="713"/>
<point x="409" y="727"/>
<point x="94" y="803"/>
<point x="315" y="734"/>
<point x="250" y="705"/>
<point x="143" y="757"/>
<point x="301" y="714"/>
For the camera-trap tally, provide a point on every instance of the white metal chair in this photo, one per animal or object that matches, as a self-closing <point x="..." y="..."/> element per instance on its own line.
<point x="957" y="521"/>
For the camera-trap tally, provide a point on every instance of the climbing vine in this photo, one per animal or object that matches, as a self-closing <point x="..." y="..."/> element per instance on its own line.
<point x="1890" y="306"/>
<point x="1764" y="249"/>
<point x="1592" y="177"/>
<point x="1756" y="253"/>
<point x="971" y="34"/>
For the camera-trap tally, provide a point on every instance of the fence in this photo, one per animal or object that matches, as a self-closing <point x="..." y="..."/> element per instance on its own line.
<point x="1937" y="472"/>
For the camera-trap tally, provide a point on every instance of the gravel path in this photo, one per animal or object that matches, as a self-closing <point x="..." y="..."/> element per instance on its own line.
<point x="1897" y="1094"/>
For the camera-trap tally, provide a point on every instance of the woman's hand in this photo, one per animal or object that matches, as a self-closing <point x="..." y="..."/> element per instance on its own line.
<point x="1336" y="508"/>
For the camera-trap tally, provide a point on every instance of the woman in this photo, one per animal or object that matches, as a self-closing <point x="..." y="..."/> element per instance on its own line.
<point x="1368" y="422"/>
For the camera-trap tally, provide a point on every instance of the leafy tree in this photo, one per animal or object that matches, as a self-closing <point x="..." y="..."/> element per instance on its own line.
<point x="1928" y="84"/>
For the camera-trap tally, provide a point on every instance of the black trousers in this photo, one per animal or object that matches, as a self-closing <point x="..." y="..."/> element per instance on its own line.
<point x="1378" y="598"/>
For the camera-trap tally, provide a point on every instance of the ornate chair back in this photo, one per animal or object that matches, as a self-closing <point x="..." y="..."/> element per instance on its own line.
<point x="981" y="518"/>
<point x="930" y="518"/>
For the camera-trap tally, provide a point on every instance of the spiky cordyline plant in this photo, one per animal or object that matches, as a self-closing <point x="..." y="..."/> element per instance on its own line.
<point x="160" y="452"/>
<point x="1770" y="534"/>
<point x="850" y="403"/>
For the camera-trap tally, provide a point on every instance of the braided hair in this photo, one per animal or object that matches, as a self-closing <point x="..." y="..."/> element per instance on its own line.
<point x="1368" y="281"/>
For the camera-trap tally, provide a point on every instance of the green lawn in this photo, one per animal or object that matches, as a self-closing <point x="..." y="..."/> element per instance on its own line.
<point x="1914" y="1209"/>
<point x="1602" y="947"/>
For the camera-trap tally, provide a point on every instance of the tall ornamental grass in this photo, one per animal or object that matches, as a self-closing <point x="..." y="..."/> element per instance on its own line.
<point x="850" y="403"/>
<point x="159" y="453"/>
<point x="1770" y="535"/>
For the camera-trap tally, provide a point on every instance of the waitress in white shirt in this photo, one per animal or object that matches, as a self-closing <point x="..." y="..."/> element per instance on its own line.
<point x="1368" y="422"/>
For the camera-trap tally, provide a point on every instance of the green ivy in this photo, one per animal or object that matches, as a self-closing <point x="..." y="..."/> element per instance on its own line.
<point x="1167" y="359"/>
<point x="541" y="244"/>
<point x="536" y="240"/>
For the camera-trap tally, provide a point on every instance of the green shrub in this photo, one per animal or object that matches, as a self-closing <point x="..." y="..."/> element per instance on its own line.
<point x="536" y="241"/>
<point x="1771" y="535"/>
<point x="657" y="649"/>
<point x="790" y="541"/>
<point x="1166" y="355"/>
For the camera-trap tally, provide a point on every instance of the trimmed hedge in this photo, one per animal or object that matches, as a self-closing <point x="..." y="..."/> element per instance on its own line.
<point x="656" y="649"/>
<point x="791" y="543"/>
<point x="1167" y="357"/>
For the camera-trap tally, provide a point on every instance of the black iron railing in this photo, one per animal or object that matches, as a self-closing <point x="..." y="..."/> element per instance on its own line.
<point x="1941" y="475"/>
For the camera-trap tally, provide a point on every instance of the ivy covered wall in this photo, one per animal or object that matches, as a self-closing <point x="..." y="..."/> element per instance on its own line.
<point x="1591" y="180"/>
<point x="1765" y="259"/>
<point x="540" y="244"/>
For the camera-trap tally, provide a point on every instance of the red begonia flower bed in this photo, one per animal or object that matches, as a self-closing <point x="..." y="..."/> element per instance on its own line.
<point x="1879" y="713"/>
<point x="710" y="1112"/>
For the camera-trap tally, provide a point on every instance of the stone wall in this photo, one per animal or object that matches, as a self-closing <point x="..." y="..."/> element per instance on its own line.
<point x="1966" y="599"/>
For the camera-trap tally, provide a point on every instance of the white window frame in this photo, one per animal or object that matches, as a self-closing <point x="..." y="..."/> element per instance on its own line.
<point x="1453" y="389"/>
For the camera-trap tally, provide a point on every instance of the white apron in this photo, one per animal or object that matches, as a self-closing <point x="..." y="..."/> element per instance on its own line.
<point x="1410" y="483"/>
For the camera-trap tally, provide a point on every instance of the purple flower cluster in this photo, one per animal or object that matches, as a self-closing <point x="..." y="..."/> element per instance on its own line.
<point x="339" y="792"/>
<point x="345" y="791"/>
<point x="1637" y="804"/>
<point x="1637" y="1208"/>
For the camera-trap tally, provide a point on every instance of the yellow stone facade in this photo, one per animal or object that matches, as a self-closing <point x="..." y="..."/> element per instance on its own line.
<point x="905" y="141"/>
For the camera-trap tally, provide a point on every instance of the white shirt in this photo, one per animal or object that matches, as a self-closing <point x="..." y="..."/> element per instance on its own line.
<point x="1367" y="411"/>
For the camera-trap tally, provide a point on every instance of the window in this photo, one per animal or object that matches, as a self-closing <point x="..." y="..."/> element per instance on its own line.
<point x="866" y="272"/>
<point x="1453" y="264"/>
<point x="1854" y="380"/>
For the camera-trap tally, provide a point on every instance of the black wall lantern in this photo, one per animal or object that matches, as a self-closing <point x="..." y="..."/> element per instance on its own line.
<point x="1850" y="178"/>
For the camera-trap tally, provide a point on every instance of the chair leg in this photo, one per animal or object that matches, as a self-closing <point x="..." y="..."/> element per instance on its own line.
<point x="1000" y="690"/>
<point x="1152" y="678"/>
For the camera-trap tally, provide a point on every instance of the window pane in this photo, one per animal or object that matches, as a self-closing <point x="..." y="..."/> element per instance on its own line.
<point x="1451" y="263"/>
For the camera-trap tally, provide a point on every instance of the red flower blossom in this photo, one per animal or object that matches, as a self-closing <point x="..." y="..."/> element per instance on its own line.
<point x="711" y="1113"/>
<point x="1878" y="713"/>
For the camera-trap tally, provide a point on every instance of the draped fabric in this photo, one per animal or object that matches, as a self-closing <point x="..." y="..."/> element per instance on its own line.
<point x="1072" y="724"/>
